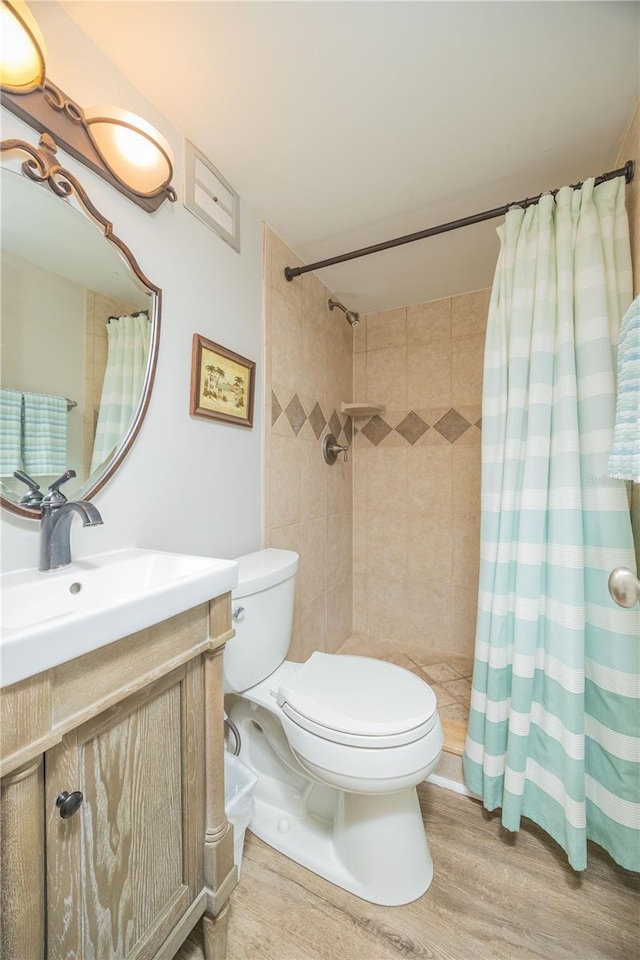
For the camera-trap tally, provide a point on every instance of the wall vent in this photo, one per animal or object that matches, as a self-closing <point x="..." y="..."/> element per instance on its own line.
<point x="210" y="197"/>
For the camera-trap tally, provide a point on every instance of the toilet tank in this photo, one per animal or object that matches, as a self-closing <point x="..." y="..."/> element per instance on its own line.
<point x="262" y="606"/>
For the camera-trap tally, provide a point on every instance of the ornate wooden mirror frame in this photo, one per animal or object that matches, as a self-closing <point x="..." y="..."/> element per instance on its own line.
<point x="42" y="166"/>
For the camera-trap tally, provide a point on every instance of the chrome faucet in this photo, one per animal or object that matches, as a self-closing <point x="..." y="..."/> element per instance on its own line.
<point x="55" y="526"/>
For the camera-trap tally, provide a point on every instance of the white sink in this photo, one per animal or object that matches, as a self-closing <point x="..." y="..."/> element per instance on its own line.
<point x="50" y="618"/>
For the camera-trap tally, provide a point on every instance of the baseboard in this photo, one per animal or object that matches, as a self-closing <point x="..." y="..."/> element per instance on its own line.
<point x="450" y="775"/>
<point x="448" y="784"/>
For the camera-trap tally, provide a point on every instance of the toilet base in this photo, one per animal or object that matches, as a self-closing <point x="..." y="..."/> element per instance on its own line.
<point x="373" y="845"/>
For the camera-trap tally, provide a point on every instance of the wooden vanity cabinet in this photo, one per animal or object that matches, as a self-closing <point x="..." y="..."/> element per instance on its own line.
<point x="137" y="728"/>
<point x="127" y="860"/>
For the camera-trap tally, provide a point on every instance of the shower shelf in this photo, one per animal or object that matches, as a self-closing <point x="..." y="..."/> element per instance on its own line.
<point x="363" y="409"/>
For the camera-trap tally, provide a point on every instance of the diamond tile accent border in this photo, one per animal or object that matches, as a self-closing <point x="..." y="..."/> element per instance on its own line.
<point x="341" y="426"/>
<point x="376" y="430"/>
<point x="412" y="427"/>
<point x="276" y="409"/>
<point x="334" y="424"/>
<point x="295" y="414"/>
<point x="452" y="425"/>
<point x="317" y="420"/>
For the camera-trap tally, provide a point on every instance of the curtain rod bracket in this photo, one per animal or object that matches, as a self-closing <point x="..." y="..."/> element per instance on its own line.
<point x="627" y="171"/>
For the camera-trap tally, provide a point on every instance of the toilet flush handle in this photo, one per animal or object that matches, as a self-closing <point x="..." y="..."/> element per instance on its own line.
<point x="238" y="614"/>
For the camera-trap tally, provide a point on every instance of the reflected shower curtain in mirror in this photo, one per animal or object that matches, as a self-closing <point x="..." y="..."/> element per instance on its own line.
<point x="128" y="349"/>
<point x="555" y="711"/>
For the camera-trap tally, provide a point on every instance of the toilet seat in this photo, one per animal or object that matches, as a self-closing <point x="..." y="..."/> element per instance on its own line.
<point x="339" y="757"/>
<point x="377" y="741"/>
<point x="358" y="701"/>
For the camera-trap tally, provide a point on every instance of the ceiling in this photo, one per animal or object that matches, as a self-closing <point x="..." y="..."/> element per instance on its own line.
<point x="344" y="124"/>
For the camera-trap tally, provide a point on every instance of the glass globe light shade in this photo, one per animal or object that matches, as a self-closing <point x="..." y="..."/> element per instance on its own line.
<point x="22" y="50"/>
<point x="135" y="152"/>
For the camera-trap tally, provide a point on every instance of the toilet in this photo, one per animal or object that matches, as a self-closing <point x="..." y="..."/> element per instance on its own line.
<point x="338" y="744"/>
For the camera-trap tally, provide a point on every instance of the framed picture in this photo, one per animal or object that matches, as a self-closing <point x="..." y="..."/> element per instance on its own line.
<point x="222" y="383"/>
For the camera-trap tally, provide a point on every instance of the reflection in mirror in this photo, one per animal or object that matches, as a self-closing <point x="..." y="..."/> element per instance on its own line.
<point x="78" y="329"/>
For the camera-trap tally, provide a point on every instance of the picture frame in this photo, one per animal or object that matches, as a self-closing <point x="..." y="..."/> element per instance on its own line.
<point x="222" y="383"/>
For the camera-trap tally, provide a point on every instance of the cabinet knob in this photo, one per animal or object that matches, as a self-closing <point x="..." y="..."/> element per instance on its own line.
<point x="69" y="803"/>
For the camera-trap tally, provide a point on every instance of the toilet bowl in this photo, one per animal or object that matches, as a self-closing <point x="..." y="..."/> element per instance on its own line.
<point x="338" y="743"/>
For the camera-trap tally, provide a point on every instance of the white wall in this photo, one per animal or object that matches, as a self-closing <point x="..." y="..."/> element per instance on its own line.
<point x="186" y="485"/>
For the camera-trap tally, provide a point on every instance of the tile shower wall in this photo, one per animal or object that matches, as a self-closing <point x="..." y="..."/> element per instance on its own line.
<point x="417" y="472"/>
<point x="308" y="505"/>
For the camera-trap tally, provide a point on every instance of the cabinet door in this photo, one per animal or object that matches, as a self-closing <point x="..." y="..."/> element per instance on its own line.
<point x="123" y="869"/>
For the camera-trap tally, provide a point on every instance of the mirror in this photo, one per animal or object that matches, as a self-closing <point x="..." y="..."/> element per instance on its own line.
<point x="79" y="338"/>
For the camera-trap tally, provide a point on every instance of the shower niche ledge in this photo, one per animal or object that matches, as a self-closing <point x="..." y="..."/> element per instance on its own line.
<point x="363" y="409"/>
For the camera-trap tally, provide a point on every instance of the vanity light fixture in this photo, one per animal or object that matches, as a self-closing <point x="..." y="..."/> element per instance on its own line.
<point x="121" y="147"/>
<point x="22" y="50"/>
<point x="134" y="151"/>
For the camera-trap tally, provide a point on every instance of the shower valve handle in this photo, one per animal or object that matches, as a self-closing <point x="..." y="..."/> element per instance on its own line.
<point x="338" y="448"/>
<point x="331" y="448"/>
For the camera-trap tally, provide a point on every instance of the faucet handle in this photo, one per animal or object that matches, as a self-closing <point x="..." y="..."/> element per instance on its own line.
<point x="55" y="495"/>
<point x="33" y="498"/>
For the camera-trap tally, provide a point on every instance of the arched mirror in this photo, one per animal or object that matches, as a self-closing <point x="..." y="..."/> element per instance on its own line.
<point x="79" y="337"/>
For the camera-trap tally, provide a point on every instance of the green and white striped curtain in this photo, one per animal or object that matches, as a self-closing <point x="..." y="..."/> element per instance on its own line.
<point x="554" y="727"/>
<point x="128" y="350"/>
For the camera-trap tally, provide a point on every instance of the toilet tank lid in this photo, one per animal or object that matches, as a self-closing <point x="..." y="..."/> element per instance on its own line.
<point x="264" y="568"/>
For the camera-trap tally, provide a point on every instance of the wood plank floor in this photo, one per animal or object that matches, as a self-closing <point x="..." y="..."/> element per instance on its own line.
<point x="495" y="896"/>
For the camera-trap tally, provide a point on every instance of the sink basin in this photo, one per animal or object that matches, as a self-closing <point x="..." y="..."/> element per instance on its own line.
<point x="50" y="618"/>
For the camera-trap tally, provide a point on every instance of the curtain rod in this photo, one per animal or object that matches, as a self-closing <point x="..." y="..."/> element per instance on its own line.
<point x="292" y="272"/>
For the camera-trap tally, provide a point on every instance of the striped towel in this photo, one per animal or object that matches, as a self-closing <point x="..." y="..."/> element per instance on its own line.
<point x="44" y="434"/>
<point x="624" y="461"/>
<point x="10" y="431"/>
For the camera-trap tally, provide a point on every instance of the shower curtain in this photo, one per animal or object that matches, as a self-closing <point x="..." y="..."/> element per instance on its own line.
<point x="554" y="726"/>
<point x="128" y="349"/>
